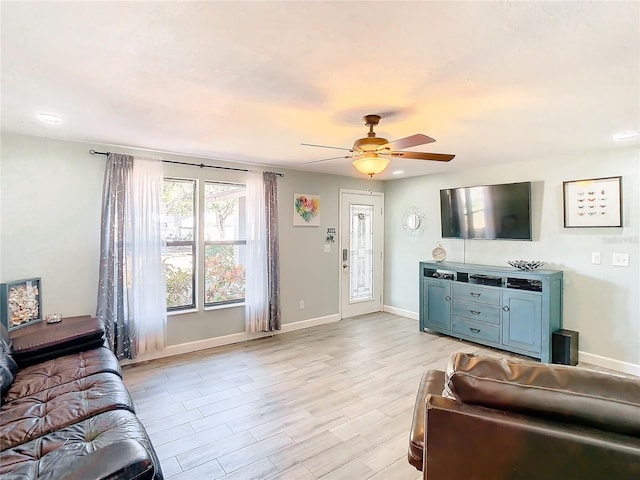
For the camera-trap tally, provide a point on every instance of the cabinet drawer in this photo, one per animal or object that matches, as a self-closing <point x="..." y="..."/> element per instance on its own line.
<point x="490" y="333"/>
<point x="476" y="311"/>
<point x="474" y="293"/>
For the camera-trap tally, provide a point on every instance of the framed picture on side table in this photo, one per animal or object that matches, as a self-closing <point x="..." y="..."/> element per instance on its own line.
<point x="20" y="303"/>
<point x="594" y="202"/>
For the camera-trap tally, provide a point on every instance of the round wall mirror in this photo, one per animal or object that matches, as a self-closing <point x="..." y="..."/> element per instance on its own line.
<point x="413" y="220"/>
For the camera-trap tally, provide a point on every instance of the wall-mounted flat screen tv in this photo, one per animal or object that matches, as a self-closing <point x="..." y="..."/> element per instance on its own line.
<point x="487" y="212"/>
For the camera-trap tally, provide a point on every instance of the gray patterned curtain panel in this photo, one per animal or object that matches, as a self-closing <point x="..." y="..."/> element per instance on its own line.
<point x="113" y="302"/>
<point x="273" y="256"/>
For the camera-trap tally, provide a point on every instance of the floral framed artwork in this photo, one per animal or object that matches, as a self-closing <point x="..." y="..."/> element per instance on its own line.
<point x="592" y="203"/>
<point x="20" y="303"/>
<point x="306" y="210"/>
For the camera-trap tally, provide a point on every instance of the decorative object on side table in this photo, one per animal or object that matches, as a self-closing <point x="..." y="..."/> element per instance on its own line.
<point x="53" y="318"/>
<point x="20" y="303"/>
<point x="439" y="253"/>
<point x="525" y="264"/>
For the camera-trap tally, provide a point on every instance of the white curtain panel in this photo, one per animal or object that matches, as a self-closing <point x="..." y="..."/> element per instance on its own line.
<point x="147" y="289"/>
<point x="131" y="293"/>
<point x="256" y="300"/>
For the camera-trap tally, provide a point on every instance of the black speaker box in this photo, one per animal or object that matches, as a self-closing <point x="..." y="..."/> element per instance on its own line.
<point x="564" y="347"/>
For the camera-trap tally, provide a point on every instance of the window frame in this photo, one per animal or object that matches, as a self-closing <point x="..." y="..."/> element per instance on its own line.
<point x="206" y="243"/>
<point x="183" y="243"/>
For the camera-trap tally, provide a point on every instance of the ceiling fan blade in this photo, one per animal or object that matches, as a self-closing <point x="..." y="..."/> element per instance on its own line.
<point x="406" y="142"/>
<point x="438" y="157"/>
<point x="325" y="160"/>
<point x="325" y="146"/>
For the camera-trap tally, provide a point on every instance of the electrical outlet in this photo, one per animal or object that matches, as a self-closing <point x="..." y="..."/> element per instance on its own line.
<point x="301" y="304"/>
<point x="327" y="248"/>
<point x="620" y="259"/>
<point x="596" y="258"/>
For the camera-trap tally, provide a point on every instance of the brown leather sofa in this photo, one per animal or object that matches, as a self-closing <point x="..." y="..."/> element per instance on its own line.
<point x="491" y="418"/>
<point x="69" y="416"/>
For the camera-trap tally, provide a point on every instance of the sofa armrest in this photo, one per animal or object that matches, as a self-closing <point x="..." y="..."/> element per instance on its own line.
<point x="430" y="384"/>
<point x="42" y="341"/>
<point x="464" y="441"/>
<point x="123" y="460"/>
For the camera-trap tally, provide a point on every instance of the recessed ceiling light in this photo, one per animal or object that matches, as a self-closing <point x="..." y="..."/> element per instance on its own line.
<point x="625" y="135"/>
<point x="397" y="172"/>
<point x="49" y="118"/>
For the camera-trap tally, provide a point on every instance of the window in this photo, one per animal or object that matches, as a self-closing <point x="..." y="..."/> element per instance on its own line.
<point x="225" y="243"/>
<point x="215" y="240"/>
<point x="179" y="234"/>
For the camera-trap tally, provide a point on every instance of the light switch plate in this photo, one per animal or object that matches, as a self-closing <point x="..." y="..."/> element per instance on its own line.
<point x="327" y="248"/>
<point x="620" y="259"/>
<point x="596" y="258"/>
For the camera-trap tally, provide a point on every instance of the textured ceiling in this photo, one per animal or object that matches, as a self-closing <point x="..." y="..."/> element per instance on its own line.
<point x="492" y="82"/>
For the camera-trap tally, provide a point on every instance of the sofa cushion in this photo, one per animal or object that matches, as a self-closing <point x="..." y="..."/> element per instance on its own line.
<point x="29" y="417"/>
<point x="45" y="375"/>
<point x="53" y="455"/>
<point x="596" y="399"/>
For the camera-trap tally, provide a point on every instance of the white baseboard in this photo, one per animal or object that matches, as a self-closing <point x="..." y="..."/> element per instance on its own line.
<point x="401" y="312"/>
<point x="610" y="363"/>
<point x="312" y="322"/>
<point x="189" y="347"/>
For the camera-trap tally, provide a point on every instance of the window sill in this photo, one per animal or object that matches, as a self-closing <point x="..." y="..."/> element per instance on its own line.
<point x="180" y="312"/>
<point x="205" y="309"/>
<point x="226" y="305"/>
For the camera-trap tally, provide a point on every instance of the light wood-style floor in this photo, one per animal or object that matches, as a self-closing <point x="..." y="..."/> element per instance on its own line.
<point x="330" y="402"/>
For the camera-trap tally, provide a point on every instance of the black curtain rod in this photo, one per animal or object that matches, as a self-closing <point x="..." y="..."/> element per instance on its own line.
<point x="201" y="165"/>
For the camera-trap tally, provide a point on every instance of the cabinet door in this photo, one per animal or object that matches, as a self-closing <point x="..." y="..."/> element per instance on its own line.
<point x="522" y="321"/>
<point x="435" y="308"/>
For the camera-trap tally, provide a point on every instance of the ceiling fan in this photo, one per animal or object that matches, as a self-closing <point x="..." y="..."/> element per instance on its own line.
<point x="372" y="154"/>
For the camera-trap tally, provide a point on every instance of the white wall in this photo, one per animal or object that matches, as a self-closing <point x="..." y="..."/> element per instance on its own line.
<point x="50" y="224"/>
<point x="50" y="220"/>
<point x="602" y="302"/>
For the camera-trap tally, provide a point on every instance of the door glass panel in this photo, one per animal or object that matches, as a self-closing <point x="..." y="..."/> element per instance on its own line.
<point x="361" y="253"/>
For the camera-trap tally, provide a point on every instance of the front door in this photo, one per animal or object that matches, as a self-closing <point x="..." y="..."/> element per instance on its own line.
<point x="361" y="241"/>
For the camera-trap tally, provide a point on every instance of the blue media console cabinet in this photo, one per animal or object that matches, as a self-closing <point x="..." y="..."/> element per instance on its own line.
<point x="501" y="307"/>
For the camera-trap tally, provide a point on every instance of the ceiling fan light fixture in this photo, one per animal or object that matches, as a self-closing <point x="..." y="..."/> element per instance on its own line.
<point x="369" y="144"/>
<point x="371" y="164"/>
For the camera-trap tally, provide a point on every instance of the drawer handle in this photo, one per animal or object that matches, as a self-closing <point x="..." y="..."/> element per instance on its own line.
<point x="475" y="312"/>
<point x="447" y="298"/>
<point x="474" y="330"/>
<point x="505" y="308"/>
<point x="475" y="294"/>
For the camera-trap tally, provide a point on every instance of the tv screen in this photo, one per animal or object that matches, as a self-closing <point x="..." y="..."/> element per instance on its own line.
<point x="487" y="212"/>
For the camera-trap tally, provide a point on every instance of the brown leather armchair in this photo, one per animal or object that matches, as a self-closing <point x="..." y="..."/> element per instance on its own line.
<point x="490" y="418"/>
